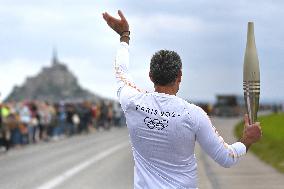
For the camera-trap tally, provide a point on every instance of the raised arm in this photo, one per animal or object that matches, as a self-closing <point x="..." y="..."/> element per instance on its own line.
<point x="126" y="89"/>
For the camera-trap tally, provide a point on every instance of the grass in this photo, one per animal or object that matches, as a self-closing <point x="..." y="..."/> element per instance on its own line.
<point x="271" y="146"/>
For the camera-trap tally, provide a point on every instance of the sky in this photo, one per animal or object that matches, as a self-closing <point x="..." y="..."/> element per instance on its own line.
<point x="210" y="37"/>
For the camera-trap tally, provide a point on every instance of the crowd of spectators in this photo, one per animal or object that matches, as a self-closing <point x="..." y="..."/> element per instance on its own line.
<point x="24" y="123"/>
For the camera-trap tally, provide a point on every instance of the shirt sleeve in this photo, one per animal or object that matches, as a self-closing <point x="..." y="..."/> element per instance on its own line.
<point x="214" y="145"/>
<point x="126" y="89"/>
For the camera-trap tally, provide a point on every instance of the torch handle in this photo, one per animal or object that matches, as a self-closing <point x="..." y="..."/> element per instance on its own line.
<point x="251" y="96"/>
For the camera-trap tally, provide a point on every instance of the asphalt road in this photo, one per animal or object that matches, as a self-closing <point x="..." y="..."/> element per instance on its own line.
<point x="99" y="160"/>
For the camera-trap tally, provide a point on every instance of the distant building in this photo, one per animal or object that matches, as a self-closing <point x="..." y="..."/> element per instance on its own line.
<point x="229" y="105"/>
<point x="54" y="83"/>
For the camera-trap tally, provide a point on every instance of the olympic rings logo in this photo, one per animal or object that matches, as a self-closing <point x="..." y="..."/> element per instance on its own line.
<point x="155" y="123"/>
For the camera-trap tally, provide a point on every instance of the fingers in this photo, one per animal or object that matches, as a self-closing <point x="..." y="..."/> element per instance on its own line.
<point x="121" y="15"/>
<point x="258" y="124"/>
<point x="109" y="18"/>
<point x="246" y="120"/>
<point x="105" y="16"/>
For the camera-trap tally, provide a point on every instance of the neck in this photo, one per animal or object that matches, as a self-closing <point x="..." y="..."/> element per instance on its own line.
<point x="171" y="90"/>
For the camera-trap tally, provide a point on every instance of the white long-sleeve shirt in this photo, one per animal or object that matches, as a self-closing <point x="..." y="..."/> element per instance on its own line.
<point x="163" y="129"/>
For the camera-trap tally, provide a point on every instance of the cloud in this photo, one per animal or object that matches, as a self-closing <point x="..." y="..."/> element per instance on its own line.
<point x="157" y="24"/>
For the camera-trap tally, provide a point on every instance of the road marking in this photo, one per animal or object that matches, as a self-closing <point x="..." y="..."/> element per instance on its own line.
<point x="80" y="167"/>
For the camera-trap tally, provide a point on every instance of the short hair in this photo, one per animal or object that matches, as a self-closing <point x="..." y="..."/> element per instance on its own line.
<point x="164" y="67"/>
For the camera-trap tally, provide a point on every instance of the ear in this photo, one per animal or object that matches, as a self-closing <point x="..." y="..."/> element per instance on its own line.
<point x="179" y="76"/>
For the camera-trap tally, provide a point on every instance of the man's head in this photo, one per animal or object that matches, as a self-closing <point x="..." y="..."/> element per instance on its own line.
<point x="165" y="68"/>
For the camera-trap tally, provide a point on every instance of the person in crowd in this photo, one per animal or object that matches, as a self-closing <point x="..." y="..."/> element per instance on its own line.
<point x="61" y="120"/>
<point x="45" y="120"/>
<point x="25" y="118"/>
<point x="4" y="131"/>
<point x="109" y="115"/>
<point x="94" y="110"/>
<point x="104" y="115"/>
<point x="12" y="122"/>
<point x="34" y="123"/>
<point x="76" y="121"/>
<point x="70" y="128"/>
<point x="85" y="117"/>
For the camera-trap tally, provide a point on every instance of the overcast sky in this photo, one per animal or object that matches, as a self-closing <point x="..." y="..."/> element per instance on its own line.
<point x="210" y="37"/>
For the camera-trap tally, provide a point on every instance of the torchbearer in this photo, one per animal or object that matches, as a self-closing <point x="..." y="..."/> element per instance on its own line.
<point x="164" y="128"/>
<point x="251" y="76"/>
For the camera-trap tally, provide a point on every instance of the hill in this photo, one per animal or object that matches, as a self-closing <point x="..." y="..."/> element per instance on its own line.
<point x="54" y="84"/>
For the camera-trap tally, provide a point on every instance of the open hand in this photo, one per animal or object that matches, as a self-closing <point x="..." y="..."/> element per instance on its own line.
<point x="118" y="25"/>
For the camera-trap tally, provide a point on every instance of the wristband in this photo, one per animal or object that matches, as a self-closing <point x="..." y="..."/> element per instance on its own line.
<point x="125" y="33"/>
<point x="127" y="36"/>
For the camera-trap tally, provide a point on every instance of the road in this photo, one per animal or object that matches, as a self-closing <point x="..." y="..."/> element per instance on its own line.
<point x="99" y="160"/>
<point x="104" y="160"/>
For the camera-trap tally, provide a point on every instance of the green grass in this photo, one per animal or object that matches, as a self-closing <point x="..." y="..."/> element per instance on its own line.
<point x="271" y="146"/>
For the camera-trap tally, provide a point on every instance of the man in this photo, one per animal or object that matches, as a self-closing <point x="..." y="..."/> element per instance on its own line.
<point x="4" y="132"/>
<point x="163" y="128"/>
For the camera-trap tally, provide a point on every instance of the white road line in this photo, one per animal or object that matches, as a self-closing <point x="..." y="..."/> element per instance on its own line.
<point x="76" y="169"/>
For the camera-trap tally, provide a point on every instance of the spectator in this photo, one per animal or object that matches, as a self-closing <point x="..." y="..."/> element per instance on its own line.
<point x="28" y="122"/>
<point x="34" y="124"/>
<point x="4" y="132"/>
<point x="70" y="128"/>
<point x="85" y="117"/>
<point x="25" y="118"/>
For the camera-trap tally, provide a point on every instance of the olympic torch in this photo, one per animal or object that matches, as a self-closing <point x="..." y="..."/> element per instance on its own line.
<point x="251" y="76"/>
